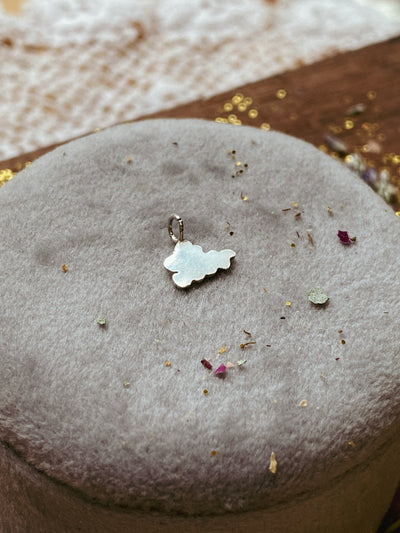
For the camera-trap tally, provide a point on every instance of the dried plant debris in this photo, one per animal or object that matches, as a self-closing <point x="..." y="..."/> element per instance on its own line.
<point x="318" y="296"/>
<point x="273" y="464"/>
<point x="206" y="364"/>
<point x="344" y="237"/>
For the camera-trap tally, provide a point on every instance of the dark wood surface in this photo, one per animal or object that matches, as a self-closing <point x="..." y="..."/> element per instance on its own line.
<point x="309" y="103"/>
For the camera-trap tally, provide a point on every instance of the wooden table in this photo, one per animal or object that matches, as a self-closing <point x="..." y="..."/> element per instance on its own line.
<point x="354" y="97"/>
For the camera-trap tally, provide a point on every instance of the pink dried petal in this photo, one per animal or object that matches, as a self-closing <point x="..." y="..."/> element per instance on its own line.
<point x="344" y="237"/>
<point x="205" y="363"/>
<point x="220" y="370"/>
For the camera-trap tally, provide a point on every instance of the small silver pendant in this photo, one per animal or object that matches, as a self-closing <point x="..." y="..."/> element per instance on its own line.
<point x="188" y="260"/>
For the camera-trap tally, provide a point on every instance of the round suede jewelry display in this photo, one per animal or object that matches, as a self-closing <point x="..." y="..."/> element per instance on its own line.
<point x="263" y="398"/>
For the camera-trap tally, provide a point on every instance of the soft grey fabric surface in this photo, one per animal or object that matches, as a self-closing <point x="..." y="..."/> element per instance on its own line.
<point x="100" y="206"/>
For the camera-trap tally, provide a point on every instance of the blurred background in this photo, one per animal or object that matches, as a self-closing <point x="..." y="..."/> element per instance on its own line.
<point x="68" y="67"/>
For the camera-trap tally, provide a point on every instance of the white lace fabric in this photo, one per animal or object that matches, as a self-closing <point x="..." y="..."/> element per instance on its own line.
<point x="68" y="67"/>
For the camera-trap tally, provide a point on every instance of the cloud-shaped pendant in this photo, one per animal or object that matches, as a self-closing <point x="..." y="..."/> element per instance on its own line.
<point x="189" y="262"/>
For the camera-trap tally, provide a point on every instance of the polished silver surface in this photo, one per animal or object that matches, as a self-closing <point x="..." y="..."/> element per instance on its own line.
<point x="189" y="262"/>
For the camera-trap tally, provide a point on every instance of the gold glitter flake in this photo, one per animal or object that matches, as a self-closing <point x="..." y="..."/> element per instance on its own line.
<point x="273" y="463"/>
<point x="168" y="363"/>
<point x="5" y="175"/>
<point x="303" y="403"/>
<point x="288" y="304"/>
<point x="281" y="93"/>
<point x="126" y="384"/>
<point x="222" y="349"/>
<point x="352" y="444"/>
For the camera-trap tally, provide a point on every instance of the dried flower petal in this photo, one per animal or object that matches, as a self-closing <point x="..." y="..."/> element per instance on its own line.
<point x="318" y="296"/>
<point x="241" y="362"/>
<point x="206" y="364"/>
<point x="220" y="371"/>
<point x="101" y="321"/>
<point x="344" y="237"/>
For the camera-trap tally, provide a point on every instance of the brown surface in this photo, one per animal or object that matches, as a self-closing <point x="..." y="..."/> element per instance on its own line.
<point x="315" y="102"/>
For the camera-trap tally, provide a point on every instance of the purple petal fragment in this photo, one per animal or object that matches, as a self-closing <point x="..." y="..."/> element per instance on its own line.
<point x="220" y="371"/>
<point x="344" y="237"/>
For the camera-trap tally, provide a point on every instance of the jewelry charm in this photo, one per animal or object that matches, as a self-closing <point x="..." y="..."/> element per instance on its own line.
<point x="188" y="260"/>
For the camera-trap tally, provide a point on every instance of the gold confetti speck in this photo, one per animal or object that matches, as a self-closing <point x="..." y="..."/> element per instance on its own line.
<point x="167" y="363"/>
<point x="222" y="349"/>
<point x="303" y="403"/>
<point x="65" y="268"/>
<point x="273" y="463"/>
<point x="281" y="93"/>
<point x="126" y="384"/>
<point x="288" y="304"/>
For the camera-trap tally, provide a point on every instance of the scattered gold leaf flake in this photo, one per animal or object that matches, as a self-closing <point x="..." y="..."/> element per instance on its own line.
<point x="273" y="463"/>
<point x="126" y="384"/>
<point x="222" y="349"/>
<point x="288" y="304"/>
<point x="303" y="403"/>
<point x="65" y="268"/>
<point x="167" y="363"/>
<point x="244" y="197"/>
<point x="5" y="175"/>
<point x="352" y="444"/>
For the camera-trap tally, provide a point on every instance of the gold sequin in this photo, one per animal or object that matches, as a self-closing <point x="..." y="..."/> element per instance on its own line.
<point x="348" y="124"/>
<point x="371" y="95"/>
<point x="237" y="98"/>
<point x="253" y="113"/>
<point x="265" y="126"/>
<point x="228" y="107"/>
<point x="281" y="93"/>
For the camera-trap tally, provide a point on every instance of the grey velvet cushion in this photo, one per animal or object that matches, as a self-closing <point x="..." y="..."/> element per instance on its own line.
<point x="115" y="421"/>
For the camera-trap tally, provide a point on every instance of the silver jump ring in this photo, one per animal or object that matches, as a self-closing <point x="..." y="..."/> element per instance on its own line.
<point x="171" y="231"/>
